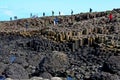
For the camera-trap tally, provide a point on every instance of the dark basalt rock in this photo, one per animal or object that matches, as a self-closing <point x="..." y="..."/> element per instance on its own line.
<point x="16" y="71"/>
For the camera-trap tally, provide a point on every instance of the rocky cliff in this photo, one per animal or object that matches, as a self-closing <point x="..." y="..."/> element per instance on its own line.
<point x="84" y="46"/>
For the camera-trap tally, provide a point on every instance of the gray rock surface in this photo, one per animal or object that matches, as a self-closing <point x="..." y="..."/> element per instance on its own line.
<point x="16" y="71"/>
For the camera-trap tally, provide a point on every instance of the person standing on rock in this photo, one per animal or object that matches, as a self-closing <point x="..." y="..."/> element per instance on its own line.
<point x="10" y="18"/>
<point x="15" y="17"/>
<point x="55" y="21"/>
<point x="71" y="12"/>
<point x="43" y="13"/>
<point x="90" y="10"/>
<point x="31" y="15"/>
<point x="52" y="13"/>
<point x="110" y="17"/>
<point x="59" y="13"/>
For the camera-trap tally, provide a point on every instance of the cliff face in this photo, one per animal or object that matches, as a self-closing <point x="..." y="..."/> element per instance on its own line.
<point x="82" y="45"/>
<point x="85" y="26"/>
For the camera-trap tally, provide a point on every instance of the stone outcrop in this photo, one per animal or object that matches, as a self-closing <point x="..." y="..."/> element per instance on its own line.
<point x="84" y="46"/>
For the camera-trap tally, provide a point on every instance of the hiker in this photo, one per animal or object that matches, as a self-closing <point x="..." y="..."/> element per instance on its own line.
<point x="56" y="21"/>
<point x="43" y="13"/>
<point x="59" y="13"/>
<point x="90" y="10"/>
<point x="10" y="18"/>
<point x="15" y="17"/>
<point x="31" y="15"/>
<point x="110" y="17"/>
<point x="71" y="12"/>
<point x="52" y="13"/>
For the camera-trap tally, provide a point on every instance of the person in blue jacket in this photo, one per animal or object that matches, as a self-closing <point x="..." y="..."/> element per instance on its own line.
<point x="56" y="21"/>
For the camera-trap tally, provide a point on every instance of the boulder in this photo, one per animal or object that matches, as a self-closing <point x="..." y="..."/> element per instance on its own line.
<point x="56" y="78"/>
<point x="55" y="63"/>
<point x="112" y="65"/>
<point x="36" y="78"/>
<point x="16" y="71"/>
<point x="8" y="79"/>
<point x="46" y="75"/>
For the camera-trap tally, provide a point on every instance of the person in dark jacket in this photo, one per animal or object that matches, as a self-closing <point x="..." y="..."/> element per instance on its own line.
<point x="56" y="21"/>
<point x="90" y="10"/>
<point x="59" y="13"/>
<point x="43" y="13"/>
<point x="52" y="13"/>
<point x="71" y="12"/>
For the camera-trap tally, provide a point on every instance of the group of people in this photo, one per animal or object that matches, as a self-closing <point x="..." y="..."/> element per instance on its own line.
<point x="15" y="18"/>
<point x="56" y="19"/>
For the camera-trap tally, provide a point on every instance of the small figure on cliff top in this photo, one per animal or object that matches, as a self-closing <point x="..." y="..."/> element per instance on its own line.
<point x="90" y="10"/>
<point x="59" y="13"/>
<point x="71" y="12"/>
<point x="43" y="13"/>
<point x="52" y="13"/>
<point x="31" y="15"/>
<point x="110" y="17"/>
<point x="15" y="17"/>
<point x="10" y="18"/>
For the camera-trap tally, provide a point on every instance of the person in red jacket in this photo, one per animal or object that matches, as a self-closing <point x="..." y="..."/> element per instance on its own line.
<point x="110" y="17"/>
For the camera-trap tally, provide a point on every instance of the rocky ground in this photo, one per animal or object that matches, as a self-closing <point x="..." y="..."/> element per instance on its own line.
<point x="36" y="57"/>
<point x="24" y="58"/>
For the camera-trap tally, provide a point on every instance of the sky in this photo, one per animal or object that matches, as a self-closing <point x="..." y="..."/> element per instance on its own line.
<point x="23" y="8"/>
